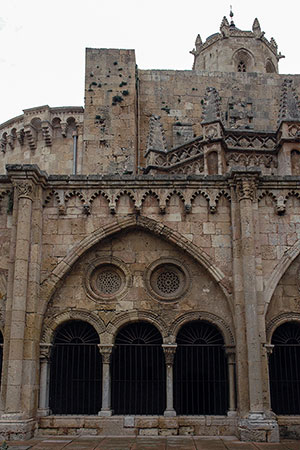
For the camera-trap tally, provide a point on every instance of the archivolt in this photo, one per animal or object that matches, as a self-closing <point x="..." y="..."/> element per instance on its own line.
<point x="206" y="316"/>
<point x="136" y="316"/>
<point x="51" y="324"/>
<point x="279" y="320"/>
<point x="279" y="271"/>
<point x="62" y="268"/>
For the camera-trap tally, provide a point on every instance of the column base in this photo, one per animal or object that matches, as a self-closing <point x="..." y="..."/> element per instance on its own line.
<point x="105" y="413"/>
<point x="258" y="428"/>
<point x="12" y="429"/>
<point x="170" y="413"/>
<point x="232" y="413"/>
<point x="43" y="412"/>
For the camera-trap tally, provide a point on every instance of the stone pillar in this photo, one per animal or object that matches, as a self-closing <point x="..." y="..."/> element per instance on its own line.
<point x="45" y="350"/>
<point x="25" y="192"/>
<point x="106" y="350"/>
<point x="169" y="351"/>
<point x="246" y="192"/>
<point x="230" y="352"/>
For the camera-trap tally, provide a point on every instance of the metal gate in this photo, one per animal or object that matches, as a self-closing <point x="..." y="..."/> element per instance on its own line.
<point x="138" y="371"/>
<point x="76" y="370"/>
<point x="284" y="368"/>
<point x="200" y="371"/>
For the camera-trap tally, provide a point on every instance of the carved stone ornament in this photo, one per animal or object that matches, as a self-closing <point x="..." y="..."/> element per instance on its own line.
<point x="246" y="189"/>
<point x="169" y="351"/>
<point x="105" y="350"/>
<point x="45" y="350"/>
<point x="24" y="189"/>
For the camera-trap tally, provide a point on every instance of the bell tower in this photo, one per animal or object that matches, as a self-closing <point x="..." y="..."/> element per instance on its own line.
<point x="235" y="50"/>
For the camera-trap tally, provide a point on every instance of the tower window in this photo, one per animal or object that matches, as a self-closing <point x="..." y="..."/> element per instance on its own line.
<point x="241" y="66"/>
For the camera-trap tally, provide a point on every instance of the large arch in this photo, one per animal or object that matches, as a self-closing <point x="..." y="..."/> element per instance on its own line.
<point x="280" y="269"/>
<point x="150" y="225"/>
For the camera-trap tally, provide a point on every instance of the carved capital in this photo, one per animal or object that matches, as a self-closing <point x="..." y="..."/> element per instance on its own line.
<point x="45" y="350"/>
<point x="169" y="351"/>
<point x="246" y="188"/>
<point x="105" y="350"/>
<point x="230" y="352"/>
<point x="25" y="189"/>
<point x="269" y="348"/>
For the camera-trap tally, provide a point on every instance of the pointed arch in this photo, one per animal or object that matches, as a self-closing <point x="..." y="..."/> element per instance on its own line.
<point x="280" y="269"/>
<point x="150" y="225"/>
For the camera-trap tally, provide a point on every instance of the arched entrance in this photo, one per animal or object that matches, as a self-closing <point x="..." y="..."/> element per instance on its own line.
<point x="284" y="369"/>
<point x="200" y="370"/>
<point x="76" y="370"/>
<point x="138" y="371"/>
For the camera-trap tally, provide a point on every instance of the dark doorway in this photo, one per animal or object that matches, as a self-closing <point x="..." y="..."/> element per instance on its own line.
<point x="284" y="367"/>
<point x="138" y="371"/>
<point x="76" y="370"/>
<point x="200" y="371"/>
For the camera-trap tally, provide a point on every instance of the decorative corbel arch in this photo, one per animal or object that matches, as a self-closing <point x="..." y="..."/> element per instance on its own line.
<point x="280" y="269"/>
<point x="279" y="320"/>
<point x="136" y="316"/>
<point x="205" y="316"/>
<point x="51" y="324"/>
<point x="145" y="223"/>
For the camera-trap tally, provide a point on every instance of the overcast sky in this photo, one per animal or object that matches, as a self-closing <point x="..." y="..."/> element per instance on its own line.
<point x="43" y="42"/>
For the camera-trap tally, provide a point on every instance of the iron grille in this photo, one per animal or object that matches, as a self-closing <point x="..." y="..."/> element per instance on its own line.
<point x="200" y="371"/>
<point x="76" y="370"/>
<point x="138" y="371"/>
<point x="284" y="367"/>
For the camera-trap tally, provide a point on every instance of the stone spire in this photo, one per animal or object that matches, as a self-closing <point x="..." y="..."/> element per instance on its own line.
<point x="289" y="103"/>
<point x="211" y="106"/>
<point x="224" y="27"/>
<point x="256" y="28"/>
<point x="156" y="137"/>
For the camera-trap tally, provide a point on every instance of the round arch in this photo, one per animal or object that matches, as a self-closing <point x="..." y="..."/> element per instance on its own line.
<point x="136" y="316"/>
<point x="223" y="327"/>
<point x="280" y="320"/>
<point x="51" y="325"/>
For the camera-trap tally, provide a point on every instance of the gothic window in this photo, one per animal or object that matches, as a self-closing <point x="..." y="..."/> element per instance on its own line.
<point x="270" y="68"/>
<point x="138" y="371"/>
<point x="241" y="66"/>
<point x="284" y="367"/>
<point x="76" y="370"/>
<point x="200" y="371"/>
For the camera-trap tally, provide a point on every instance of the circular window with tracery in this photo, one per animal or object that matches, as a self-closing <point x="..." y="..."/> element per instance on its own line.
<point x="167" y="280"/>
<point x="106" y="280"/>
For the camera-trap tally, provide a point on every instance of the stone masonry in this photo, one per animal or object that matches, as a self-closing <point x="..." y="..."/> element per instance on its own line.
<point x="197" y="171"/>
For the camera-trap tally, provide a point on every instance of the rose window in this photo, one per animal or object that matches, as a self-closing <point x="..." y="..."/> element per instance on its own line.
<point x="168" y="282"/>
<point x="108" y="282"/>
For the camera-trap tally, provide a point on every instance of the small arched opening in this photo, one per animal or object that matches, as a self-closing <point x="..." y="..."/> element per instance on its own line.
<point x="138" y="371"/>
<point x="76" y="370"/>
<point x="284" y="369"/>
<point x="200" y="370"/>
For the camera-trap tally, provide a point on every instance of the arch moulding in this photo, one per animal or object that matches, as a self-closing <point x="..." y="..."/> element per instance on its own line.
<point x="279" y="320"/>
<point x="136" y="316"/>
<point x="51" y="325"/>
<point x="63" y="267"/>
<point x="279" y="271"/>
<point x="205" y="316"/>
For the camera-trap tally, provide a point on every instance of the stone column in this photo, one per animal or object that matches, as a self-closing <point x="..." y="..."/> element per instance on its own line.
<point x="25" y="192"/>
<point x="106" y="350"/>
<point x="230" y="352"/>
<point x="169" y="351"/>
<point x="45" y="350"/>
<point x="246" y="193"/>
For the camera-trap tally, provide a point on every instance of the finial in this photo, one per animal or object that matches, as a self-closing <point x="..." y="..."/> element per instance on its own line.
<point x="231" y="15"/>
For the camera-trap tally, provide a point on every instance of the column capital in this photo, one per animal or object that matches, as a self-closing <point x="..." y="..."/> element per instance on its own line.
<point x="105" y="350"/>
<point x="245" y="182"/>
<point x="169" y="351"/>
<point x="269" y="348"/>
<point x="24" y="189"/>
<point x="230" y="350"/>
<point x="45" y="350"/>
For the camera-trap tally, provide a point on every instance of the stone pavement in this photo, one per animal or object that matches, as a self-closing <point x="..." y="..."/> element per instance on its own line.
<point x="146" y="443"/>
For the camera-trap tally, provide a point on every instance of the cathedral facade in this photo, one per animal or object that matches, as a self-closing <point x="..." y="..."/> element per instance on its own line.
<point x="150" y="242"/>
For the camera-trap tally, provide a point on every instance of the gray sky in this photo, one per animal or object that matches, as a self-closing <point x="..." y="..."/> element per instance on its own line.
<point x="43" y="42"/>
